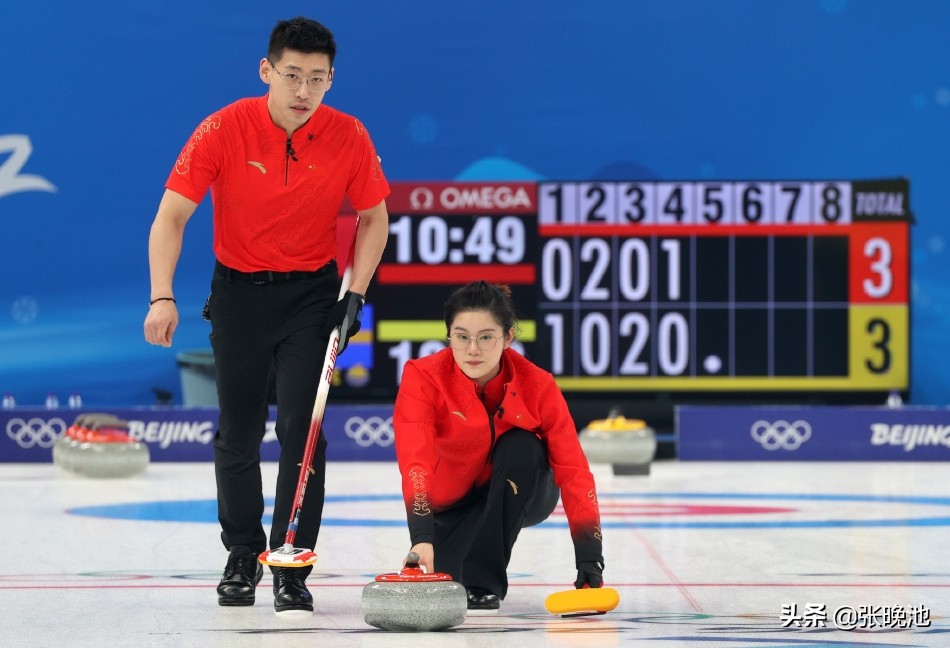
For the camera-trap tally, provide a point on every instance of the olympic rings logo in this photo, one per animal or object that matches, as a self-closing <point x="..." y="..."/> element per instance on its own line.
<point x="781" y="435"/>
<point x="374" y="430"/>
<point x="35" y="432"/>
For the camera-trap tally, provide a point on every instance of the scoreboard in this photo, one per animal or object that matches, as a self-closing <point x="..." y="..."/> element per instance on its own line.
<point x="692" y="286"/>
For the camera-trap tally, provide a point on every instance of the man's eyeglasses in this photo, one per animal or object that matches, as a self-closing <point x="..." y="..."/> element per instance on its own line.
<point x="292" y="81"/>
<point x="462" y="341"/>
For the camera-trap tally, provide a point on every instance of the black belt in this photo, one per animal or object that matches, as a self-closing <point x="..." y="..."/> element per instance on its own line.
<point x="270" y="276"/>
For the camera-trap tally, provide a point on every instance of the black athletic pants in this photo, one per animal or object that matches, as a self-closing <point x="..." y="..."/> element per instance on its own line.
<point x="473" y="540"/>
<point x="264" y="326"/>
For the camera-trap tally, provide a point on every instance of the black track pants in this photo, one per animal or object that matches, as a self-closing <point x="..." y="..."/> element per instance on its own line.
<point x="260" y="331"/>
<point x="473" y="540"/>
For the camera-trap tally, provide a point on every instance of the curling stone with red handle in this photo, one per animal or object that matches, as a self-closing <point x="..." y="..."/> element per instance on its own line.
<point x="107" y="450"/>
<point x="64" y="445"/>
<point x="414" y="600"/>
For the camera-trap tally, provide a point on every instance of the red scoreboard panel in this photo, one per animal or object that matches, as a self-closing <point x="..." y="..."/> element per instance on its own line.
<point x="694" y="286"/>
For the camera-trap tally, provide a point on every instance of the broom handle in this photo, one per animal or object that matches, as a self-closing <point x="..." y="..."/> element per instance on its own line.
<point x="319" y="406"/>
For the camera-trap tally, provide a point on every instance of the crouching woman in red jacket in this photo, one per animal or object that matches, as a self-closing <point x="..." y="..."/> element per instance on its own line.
<point x="486" y="444"/>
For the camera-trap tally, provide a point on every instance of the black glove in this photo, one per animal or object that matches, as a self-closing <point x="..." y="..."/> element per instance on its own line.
<point x="589" y="573"/>
<point x="346" y="314"/>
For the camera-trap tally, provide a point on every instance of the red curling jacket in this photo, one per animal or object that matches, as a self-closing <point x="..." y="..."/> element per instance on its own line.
<point x="444" y="439"/>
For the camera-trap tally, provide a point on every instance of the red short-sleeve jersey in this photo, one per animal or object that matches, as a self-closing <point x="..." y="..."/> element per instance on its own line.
<point x="276" y="200"/>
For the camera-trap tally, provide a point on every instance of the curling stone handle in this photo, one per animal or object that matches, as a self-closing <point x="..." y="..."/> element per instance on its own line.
<point x="411" y="567"/>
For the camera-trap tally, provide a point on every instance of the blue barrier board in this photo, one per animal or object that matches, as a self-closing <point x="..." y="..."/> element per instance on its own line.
<point x="812" y="433"/>
<point x="354" y="432"/>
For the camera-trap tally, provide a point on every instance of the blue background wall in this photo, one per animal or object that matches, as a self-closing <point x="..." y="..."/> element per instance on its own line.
<point x="107" y="92"/>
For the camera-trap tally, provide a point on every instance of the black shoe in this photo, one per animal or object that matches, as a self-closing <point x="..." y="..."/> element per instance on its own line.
<point x="290" y="591"/>
<point x="241" y="576"/>
<point x="482" y="601"/>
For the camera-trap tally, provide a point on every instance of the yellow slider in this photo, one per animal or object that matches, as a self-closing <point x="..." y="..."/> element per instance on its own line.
<point x="575" y="602"/>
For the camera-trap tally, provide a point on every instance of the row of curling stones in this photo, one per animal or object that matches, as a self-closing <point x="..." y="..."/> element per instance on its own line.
<point x="414" y="600"/>
<point x="99" y="445"/>
<point x="629" y="445"/>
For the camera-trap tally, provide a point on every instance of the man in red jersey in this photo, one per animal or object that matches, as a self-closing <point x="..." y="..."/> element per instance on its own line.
<point x="278" y="167"/>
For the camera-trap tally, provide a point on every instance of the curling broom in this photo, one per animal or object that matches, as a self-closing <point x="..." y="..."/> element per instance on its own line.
<point x="288" y="555"/>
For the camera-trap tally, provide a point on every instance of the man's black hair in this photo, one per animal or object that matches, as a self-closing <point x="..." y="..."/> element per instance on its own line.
<point x="302" y="35"/>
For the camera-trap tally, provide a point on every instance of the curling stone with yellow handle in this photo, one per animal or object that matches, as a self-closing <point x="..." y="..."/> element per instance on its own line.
<point x="629" y="445"/>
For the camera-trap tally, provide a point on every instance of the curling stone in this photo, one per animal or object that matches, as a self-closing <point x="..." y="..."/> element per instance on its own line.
<point x="63" y="445"/>
<point x="106" y="450"/>
<point x="413" y="600"/>
<point x="628" y="444"/>
<point x="65" y="450"/>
